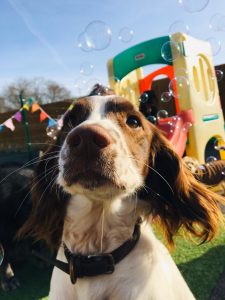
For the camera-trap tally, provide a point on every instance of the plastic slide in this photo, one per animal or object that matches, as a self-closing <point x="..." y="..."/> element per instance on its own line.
<point x="176" y="129"/>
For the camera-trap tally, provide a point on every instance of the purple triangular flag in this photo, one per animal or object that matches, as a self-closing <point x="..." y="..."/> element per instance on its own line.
<point x="18" y="116"/>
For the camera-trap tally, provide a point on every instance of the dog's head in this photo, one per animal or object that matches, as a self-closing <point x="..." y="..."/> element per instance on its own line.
<point x="107" y="149"/>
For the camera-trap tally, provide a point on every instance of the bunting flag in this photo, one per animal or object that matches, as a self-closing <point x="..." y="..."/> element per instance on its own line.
<point x="35" y="107"/>
<point x="43" y="116"/>
<point x="51" y="122"/>
<point x="18" y="116"/>
<point x="9" y="123"/>
<point x="26" y="106"/>
<point x="30" y="101"/>
<point x="71" y="106"/>
<point x="60" y="122"/>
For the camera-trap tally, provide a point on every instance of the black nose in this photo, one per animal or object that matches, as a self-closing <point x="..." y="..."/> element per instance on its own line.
<point x="89" y="137"/>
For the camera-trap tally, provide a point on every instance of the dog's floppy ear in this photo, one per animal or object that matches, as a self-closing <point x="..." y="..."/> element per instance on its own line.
<point x="48" y="201"/>
<point x="176" y="198"/>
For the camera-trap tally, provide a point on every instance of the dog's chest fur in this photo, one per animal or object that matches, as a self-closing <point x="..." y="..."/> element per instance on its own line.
<point x="143" y="274"/>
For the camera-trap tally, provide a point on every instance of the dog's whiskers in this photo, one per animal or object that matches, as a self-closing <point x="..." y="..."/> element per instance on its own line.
<point x="102" y="229"/>
<point x="33" y="186"/>
<point x="28" y="164"/>
<point x="167" y="183"/>
<point x="48" y="144"/>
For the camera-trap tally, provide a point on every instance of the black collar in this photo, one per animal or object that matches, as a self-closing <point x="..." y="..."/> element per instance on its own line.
<point x="79" y="265"/>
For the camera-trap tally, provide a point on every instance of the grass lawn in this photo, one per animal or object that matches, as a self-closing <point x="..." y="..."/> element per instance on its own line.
<point x="200" y="265"/>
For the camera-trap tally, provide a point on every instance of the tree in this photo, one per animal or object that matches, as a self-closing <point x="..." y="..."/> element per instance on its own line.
<point x="40" y="89"/>
<point x="56" y="92"/>
<point x="3" y="107"/>
<point x="13" y="91"/>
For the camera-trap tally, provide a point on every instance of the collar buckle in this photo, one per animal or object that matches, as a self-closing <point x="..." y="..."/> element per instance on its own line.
<point x="91" y="265"/>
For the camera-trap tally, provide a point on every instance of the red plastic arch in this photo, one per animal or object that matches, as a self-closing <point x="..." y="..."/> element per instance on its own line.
<point x="146" y="82"/>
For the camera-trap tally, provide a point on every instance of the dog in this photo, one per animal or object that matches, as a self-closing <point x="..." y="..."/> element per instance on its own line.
<point x="110" y="175"/>
<point x="15" y="207"/>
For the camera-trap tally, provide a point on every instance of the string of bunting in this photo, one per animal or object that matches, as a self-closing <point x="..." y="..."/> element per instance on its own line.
<point x="34" y="106"/>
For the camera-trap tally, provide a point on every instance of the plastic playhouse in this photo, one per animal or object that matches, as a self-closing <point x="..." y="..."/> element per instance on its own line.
<point x="197" y="100"/>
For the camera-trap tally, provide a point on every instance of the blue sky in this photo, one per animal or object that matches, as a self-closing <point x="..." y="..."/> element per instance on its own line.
<point x="39" y="37"/>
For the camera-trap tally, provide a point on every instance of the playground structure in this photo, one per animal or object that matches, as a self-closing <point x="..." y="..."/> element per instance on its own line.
<point x="196" y="94"/>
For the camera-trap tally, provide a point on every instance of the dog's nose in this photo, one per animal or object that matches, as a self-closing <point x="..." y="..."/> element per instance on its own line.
<point x="89" y="137"/>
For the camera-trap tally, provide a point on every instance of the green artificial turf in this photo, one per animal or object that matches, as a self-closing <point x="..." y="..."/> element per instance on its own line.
<point x="201" y="266"/>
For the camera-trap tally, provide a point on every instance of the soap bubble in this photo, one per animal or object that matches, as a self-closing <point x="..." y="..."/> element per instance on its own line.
<point x="219" y="75"/>
<point x="193" y="6"/>
<point x="90" y="83"/>
<point x="83" y="43"/>
<point x="144" y="97"/>
<point x="221" y="24"/>
<point x="126" y="34"/>
<point x="152" y="119"/>
<point x="170" y="51"/>
<point x="181" y="72"/>
<point x="187" y="126"/>
<point x="223" y="172"/>
<point x="166" y="96"/>
<point x="86" y="68"/>
<point x="162" y="114"/>
<point x="114" y="83"/>
<point x="179" y="26"/>
<point x="127" y="92"/>
<point x="215" y="21"/>
<point x="181" y="83"/>
<point x="219" y="144"/>
<point x="215" y="45"/>
<point x="211" y="159"/>
<point x="1" y="254"/>
<point x="80" y="86"/>
<point x="98" y="35"/>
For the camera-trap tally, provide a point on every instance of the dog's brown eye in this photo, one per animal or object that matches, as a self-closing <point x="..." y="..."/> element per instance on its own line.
<point x="133" y="122"/>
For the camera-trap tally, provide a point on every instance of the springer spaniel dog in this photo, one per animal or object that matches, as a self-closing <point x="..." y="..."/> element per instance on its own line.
<point x="108" y="176"/>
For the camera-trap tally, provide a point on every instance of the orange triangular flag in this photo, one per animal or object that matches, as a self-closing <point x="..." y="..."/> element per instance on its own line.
<point x="35" y="107"/>
<point x="43" y="116"/>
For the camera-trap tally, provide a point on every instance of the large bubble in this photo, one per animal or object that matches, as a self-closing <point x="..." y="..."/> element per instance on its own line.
<point x="86" y="68"/>
<point x="162" y="114"/>
<point x="217" y="22"/>
<point x="181" y="83"/>
<point x="193" y="6"/>
<point x="126" y="35"/>
<point x="170" y="51"/>
<point x="166" y="97"/>
<point x="83" y="42"/>
<point x="80" y="86"/>
<point x="90" y="84"/>
<point x="98" y="35"/>
<point x="215" y="45"/>
<point x="179" y="26"/>
<point x="1" y="253"/>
